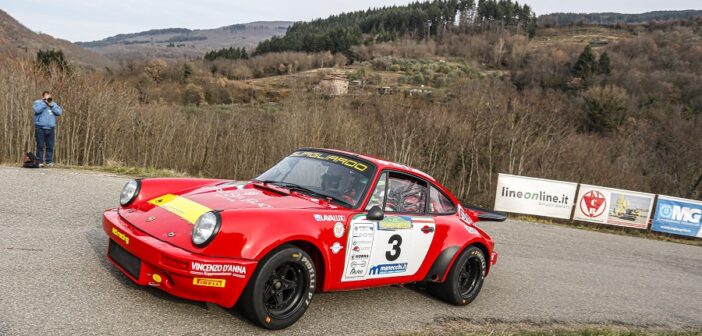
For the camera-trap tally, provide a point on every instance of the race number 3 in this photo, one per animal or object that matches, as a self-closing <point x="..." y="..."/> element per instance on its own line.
<point x="394" y="253"/>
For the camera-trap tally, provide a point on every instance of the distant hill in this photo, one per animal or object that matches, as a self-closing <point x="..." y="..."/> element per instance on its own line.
<point x="17" y="39"/>
<point x="173" y="43"/>
<point x="564" y="19"/>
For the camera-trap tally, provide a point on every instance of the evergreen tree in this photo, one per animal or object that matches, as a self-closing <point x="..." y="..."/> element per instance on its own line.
<point x="187" y="72"/>
<point x="585" y="65"/>
<point x="47" y="58"/>
<point x="603" y="65"/>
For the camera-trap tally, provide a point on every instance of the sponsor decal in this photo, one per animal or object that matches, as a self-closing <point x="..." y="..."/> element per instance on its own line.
<point x="593" y="204"/>
<point x="464" y="216"/>
<point x="156" y="278"/>
<point x="395" y="223"/>
<point x="334" y="158"/>
<point x="339" y="229"/>
<point x="471" y="230"/>
<point x="151" y="218"/>
<point x="426" y="229"/>
<point x="336" y="247"/>
<point x="217" y="269"/>
<point x="388" y="268"/>
<point x="120" y="235"/>
<point x="209" y="282"/>
<point x="355" y="272"/>
<point x="360" y="256"/>
<point x="362" y="263"/>
<point x="329" y="218"/>
<point x="181" y="206"/>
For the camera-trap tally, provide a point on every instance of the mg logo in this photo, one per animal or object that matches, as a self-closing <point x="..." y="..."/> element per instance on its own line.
<point x="681" y="214"/>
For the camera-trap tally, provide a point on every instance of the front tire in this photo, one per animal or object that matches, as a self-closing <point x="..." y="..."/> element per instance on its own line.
<point x="465" y="279"/>
<point x="281" y="289"/>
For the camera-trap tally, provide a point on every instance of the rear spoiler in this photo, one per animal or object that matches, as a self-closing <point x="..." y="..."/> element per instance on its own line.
<point x="486" y="215"/>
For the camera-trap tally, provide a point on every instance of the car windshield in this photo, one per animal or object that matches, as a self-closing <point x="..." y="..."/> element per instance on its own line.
<point x="339" y="178"/>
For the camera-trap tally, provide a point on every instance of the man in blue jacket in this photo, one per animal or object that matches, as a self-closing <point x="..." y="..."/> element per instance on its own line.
<point x="45" y="112"/>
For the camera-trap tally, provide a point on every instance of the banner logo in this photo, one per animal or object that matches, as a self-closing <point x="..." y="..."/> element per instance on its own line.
<point x="593" y="204"/>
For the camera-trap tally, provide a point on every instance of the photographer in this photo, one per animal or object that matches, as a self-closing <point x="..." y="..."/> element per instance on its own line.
<point x="45" y="112"/>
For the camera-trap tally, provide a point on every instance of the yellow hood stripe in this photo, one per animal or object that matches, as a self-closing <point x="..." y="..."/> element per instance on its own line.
<point x="181" y="206"/>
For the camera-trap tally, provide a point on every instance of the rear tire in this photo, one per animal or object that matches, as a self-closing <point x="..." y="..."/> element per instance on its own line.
<point x="464" y="280"/>
<point x="281" y="288"/>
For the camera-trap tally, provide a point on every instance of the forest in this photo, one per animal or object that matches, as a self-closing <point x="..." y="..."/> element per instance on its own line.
<point x="419" y="20"/>
<point x="564" y="19"/>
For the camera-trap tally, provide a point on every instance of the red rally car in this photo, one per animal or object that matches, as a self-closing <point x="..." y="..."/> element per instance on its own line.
<point x="319" y="220"/>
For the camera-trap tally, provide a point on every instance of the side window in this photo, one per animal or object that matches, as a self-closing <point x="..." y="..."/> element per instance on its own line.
<point x="378" y="195"/>
<point x="405" y="194"/>
<point x="439" y="203"/>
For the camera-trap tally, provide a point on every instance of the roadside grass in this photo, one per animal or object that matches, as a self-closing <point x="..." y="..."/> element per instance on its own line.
<point x="622" y="231"/>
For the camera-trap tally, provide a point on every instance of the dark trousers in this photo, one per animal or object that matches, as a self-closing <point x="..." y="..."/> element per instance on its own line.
<point x="45" y="137"/>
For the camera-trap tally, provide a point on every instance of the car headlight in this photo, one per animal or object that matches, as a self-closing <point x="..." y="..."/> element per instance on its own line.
<point x="206" y="228"/>
<point x="129" y="192"/>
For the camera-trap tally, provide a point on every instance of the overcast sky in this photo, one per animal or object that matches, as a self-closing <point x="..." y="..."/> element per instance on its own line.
<point x="81" y="20"/>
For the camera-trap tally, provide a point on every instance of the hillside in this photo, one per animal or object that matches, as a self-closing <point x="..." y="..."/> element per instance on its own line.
<point x="562" y="19"/>
<point x="174" y="43"/>
<point x="16" y="39"/>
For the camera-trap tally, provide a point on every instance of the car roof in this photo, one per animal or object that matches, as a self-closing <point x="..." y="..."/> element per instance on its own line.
<point x="380" y="163"/>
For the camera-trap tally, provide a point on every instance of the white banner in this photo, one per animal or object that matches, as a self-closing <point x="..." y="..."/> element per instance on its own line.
<point x="613" y="206"/>
<point x="534" y="196"/>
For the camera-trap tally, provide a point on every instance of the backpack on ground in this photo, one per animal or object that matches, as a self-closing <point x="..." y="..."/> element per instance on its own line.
<point x="30" y="160"/>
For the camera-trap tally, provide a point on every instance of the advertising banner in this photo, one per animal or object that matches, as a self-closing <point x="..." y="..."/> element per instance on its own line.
<point x="678" y="216"/>
<point x="613" y="206"/>
<point x="527" y="195"/>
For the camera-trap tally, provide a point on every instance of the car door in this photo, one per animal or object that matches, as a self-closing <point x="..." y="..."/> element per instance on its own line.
<point x="397" y="245"/>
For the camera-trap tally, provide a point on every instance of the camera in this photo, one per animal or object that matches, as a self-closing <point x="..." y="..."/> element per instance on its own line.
<point x="48" y="100"/>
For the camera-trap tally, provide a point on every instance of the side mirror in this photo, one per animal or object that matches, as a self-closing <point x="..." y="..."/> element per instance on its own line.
<point x="375" y="213"/>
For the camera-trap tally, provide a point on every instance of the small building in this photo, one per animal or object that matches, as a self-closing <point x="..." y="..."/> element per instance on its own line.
<point x="334" y="85"/>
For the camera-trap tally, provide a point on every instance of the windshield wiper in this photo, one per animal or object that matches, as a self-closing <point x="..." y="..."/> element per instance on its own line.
<point x="299" y="188"/>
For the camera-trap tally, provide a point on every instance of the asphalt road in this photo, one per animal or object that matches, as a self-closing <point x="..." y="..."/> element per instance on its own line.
<point x="54" y="278"/>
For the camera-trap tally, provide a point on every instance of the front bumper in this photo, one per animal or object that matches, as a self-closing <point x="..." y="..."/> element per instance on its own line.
<point x="151" y="262"/>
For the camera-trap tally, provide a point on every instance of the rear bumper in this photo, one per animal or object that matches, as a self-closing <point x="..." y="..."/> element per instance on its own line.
<point x="152" y="262"/>
<point x="493" y="258"/>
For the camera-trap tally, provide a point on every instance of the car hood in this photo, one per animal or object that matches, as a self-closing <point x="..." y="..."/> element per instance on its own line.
<point x="171" y="217"/>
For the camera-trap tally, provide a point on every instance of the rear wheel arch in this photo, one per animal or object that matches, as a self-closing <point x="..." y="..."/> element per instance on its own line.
<point x="439" y="270"/>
